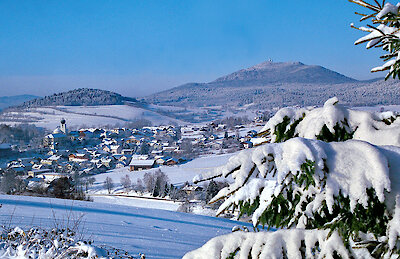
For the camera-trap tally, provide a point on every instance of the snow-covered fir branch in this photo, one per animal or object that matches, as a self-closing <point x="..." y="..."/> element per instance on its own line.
<point x="383" y="33"/>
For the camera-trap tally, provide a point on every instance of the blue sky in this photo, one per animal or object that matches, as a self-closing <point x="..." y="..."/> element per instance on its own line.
<point x="137" y="47"/>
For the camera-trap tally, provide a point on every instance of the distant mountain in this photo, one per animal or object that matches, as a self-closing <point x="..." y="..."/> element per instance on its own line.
<point x="79" y="97"/>
<point x="284" y="72"/>
<point x="270" y="84"/>
<point x="7" y="101"/>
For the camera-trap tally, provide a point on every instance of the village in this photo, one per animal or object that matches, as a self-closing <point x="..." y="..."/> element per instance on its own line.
<point x="87" y="152"/>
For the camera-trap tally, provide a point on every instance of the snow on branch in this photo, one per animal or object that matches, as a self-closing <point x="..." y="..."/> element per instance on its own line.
<point x="290" y="244"/>
<point x="383" y="33"/>
<point x="334" y="122"/>
<point x="304" y="183"/>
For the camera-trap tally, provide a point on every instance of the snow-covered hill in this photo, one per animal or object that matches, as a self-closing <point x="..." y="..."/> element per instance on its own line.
<point x="78" y="116"/>
<point x="79" y="97"/>
<point x="156" y="233"/>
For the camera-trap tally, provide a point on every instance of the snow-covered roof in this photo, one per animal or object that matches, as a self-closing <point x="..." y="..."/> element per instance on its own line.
<point x="57" y="135"/>
<point x="140" y="157"/>
<point x="140" y="162"/>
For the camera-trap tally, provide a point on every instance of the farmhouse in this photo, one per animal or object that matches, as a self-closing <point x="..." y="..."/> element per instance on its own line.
<point x="78" y="157"/>
<point x="140" y="164"/>
<point x="36" y="172"/>
<point x="51" y="176"/>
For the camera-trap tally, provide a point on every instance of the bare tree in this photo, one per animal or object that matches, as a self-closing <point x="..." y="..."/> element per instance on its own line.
<point x="108" y="184"/>
<point x="8" y="182"/>
<point x="138" y="187"/>
<point x="149" y="182"/>
<point x="185" y="207"/>
<point x="187" y="148"/>
<point x="156" y="183"/>
<point x="126" y="183"/>
<point x="89" y="182"/>
<point x="161" y="184"/>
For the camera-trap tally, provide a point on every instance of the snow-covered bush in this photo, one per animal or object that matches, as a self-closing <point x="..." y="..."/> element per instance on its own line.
<point x="55" y="243"/>
<point x="383" y="33"/>
<point x="334" y="198"/>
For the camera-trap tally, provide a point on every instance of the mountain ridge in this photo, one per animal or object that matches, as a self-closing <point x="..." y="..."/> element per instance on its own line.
<point x="7" y="101"/>
<point x="278" y="84"/>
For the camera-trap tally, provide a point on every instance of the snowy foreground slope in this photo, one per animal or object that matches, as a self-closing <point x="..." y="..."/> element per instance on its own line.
<point x="156" y="233"/>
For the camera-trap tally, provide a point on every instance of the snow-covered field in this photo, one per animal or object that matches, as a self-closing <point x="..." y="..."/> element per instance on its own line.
<point x="178" y="174"/>
<point x="137" y="202"/>
<point x="378" y="108"/>
<point x="90" y="116"/>
<point x="125" y="112"/>
<point x="157" y="233"/>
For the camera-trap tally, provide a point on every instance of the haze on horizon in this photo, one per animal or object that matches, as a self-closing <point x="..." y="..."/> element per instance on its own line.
<point x="140" y="47"/>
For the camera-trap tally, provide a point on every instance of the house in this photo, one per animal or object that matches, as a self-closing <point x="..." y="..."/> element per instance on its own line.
<point x="252" y="133"/>
<point x="36" y="172"/>
<point x="106" y="161"/>
<point x="17" y="169"/>
<point x="172" y="161"/>
<point x="169" y="149"/>
<point x="74" y="135"/>
<point x="190" y="189"/>
<point x="78" y="158"/>
<point x="55" y="140"/>
<point x="140" y="157"/>
<point x="160" y="160"/>
<point x="28" y="162"/>
<point x="133" y="140"/>
<point x="49" y="177"/>
<point x="120" y="164"/>
<point x="125" y="158"/>
<point x="107" y="148"/>
<point x="33" y="183"/>
<point x="116" y="149"/>
<point x="48" y="162"/>
<point x="156" y="152"/>
<point x="127" y="151"/>
<point x="140" y="164"/>
<point x="247" y="144"/>
<point x="55" y="158"/>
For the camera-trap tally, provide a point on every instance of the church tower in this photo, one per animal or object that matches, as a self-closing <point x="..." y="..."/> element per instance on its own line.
<point x="63" y="127"/>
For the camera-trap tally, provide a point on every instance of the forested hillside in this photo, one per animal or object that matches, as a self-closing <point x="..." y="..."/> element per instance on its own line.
<point x="79" y="97"/>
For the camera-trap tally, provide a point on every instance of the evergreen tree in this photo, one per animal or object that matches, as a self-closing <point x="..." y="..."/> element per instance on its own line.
<point x="336" y="194"/>
<point x="383" y="33"/>
<point x="212" y="190"/>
